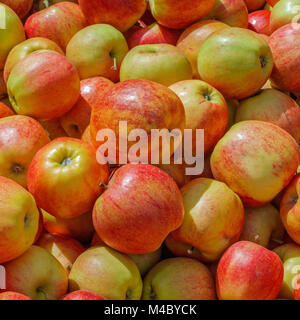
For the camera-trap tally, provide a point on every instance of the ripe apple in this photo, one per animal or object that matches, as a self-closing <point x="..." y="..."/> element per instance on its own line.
<point x="157" y="199"/>
<point x="284" y="44"/>
<point x="232" y="12"/>
<point x="58" y="23"/>
<point x="80" y="228"/>
<point x="273" y="106"/>
<point x="248" y="271"/>
<point x="179" y="279"/>
<point x="83" y="295"/>
<point x="12" y="33"/>
<point x="272" y="2"/>
<point x="106" y="272"/>
<point x="77" y="119"/>
<point x="42" y="4"/>
<point x="9" y="295"/>
<point x="44" y="85"/>
<point x="205" y="108"/>
<point x="162" y="63"/>
<point x="37" y="274"/>
<point x="121" y="14"/>
<point x="237" y="70"/>
<point x="23" y="49"/>
<point x="21" y="138"/>
<point x="146" y="261"/>
<point x="176" y="171"/>
<point x="3" y="89"/>
<point x="263" y="226"/>
<point x="66" y="250"/>
<point x="232" y="107"/>
<point x="259" y="21"/>
<point x="20" y="7"/>
<point x="97" y="50"/>
<point x="256" y="160"/>
<point x="253" y="5"/>
<point x="213" y="219"/>
<point x="86" y="136"/>
<point x="19" y="218"/>
<point x="5" y="111"/>
<point x="53" y="128"/>
<point x="192" y="38"/>
<point x="179" y="14"/>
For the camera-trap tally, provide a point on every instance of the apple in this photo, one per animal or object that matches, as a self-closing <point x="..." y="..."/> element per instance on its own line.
<point x="58" y="23"/>
<point x="64" y="177"/>
<point x="153" y="34"/>
<point x="156" y="198"/>
<point x="83" y="295"/>
<point x="11" y="34"/>
<point x="44" y="78"/>
<point x="146" y="261"/>
<point x="259" y="21"/>
<point x="106" y="272"/>
<point x="78" y="118"/>
<point x="80" y="228"/>
<point x="253" y="5"/>
<point x="53" y="128"/>
<point x="179" y="279"/>
<point x="161" y="63"/>
<point x="273" y="106"/>
<point x="37" y="274"/>
<point x="179" y="14"/>
<point x="176" y="171"/>
<point x="263" y="226"/>
<point x="20" y="7"/>
<point x="3" y="89"/>
<point x="23" y="49"/>
<point x="235" y="61"/>
<point x="40" y="227"/>
<point x="256" y="160"/>
<point x="97" y="50"/>
<point x="5" y="111"/>
<point x="66" y="250"/>
<point x="205" y="108"/>
<point x="272" y="3"/>
<point x="290" y="256"/>
<point x="86" y="136"/>
<point x="121" y="14"/>
<point x="232" y="107"/>
<point x="19" y="218"/>
<point x="144" y="105"/>
<point x="192" y="38"/>
<point x="248" y="271"/>
<point x="42" y="4"/>
<point x="9" y="295"/>
<point x="232" y="12"/>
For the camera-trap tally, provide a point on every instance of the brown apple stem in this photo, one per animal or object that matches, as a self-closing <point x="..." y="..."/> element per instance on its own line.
<point x="114" y="67"/>
<point x="46" y="3"/>
<point x="103" y="185"/>
<point x="278" y="241"/>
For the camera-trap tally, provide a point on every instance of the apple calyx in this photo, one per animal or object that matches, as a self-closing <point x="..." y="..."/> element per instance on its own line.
<point x="66" y="162"/>
<point x="41" y="291"/>
<point x="153" y="295"/>
<point x="17" y="168"/>
<point x="263" y="61"/>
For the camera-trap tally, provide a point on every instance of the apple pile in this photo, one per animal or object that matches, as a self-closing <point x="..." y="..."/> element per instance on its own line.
<point x="72" y="228"/>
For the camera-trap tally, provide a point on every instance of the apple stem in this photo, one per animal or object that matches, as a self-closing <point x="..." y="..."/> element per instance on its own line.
<point x="114" y="67"/>
<point x="46" y="3"/>
<point x="103" y="185"/>
<point x="278" y="241"/>
<point x="142" y="24"/>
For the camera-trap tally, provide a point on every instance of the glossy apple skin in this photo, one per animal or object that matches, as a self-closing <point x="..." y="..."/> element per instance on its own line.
<point x="108" y="273"/>
<point x="59" y="23"/>
<point x="254" y="4"/>
<point x="179" y="279"/>
<point x="5" y="111"/>
<point x="78" y="118"/>
<point x="192" y="38"/>
<point x="232" y="12"/>
<point x="37" y="274"/>
<point x="80" y="228"/>
<point x="121" y="14"/>
<point x="178" y="14"/>
<point x="143" y="104"/>
<point x="65" y="250"/>
<point x="248" y="271"/>
<point x="21" y="138"/>
<point x="205" y="108"/>
<point x="255" y="159"/>
<point x="262" y="225"/>
<point x="9" y="295"/>
<point x="231" y="68"/>
<point x="259" y="21"/>
<point x="60" y="172"/>
<point x="11" y="35"/>
<point x="23" y="49"/>
<point x="153" y="34"/>
<point x="44" y="78"/>
<point x="19" y="220"/>
<point x="20" y="7"/>
<point x="53" y="128"/>
<point x="284" y="44"/>
<point x="83" y="295"/>
<point x="93" y="50"/>
<point x="272" y="106"/>
<point x="211" y="223"/>
<point x="157" y="199"/>
<point x="161" y="63"/>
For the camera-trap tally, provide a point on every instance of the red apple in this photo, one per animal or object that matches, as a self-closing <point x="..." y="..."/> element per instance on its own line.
<point x="121" y="14"/>
<point x="42" y="4"/>
<point x="20" y="7"/>
<point x="272" y="2"/>
<point x="142" y="228"/>
<point x="259" y="21"/>
<point x="254" y="4"/>
<point x="248" y="271"/>
<point x="86" y="136"/>
<point x="9" y="295"/>
<point x="58" y="23"/>
<point x="64" y="177"/>
<point x="83" y="295"/>
<point x="44" y="85"/>
<point x="53" y="128"/>
<point x="5" y="111"/>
